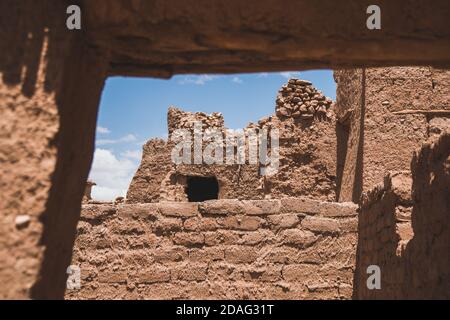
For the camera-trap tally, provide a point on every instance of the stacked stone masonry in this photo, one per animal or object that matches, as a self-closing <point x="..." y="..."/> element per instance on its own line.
<point x="293" y="248"/>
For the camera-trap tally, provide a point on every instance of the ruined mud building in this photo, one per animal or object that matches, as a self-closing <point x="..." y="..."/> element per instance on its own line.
<point x="51" y="80"/>
<point x="363" y="181"/>
<point x="304" y="120"/>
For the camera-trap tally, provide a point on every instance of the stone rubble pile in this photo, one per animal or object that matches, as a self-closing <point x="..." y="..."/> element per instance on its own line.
<point x="179" y="119"/>
<point x="299" y="99"/>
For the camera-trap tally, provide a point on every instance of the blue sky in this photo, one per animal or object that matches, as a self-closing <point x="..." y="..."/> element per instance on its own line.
<point x="134" y="110"/>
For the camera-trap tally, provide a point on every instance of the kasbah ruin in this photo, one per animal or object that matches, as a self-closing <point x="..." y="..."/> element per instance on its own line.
<point x="362" y="184"/>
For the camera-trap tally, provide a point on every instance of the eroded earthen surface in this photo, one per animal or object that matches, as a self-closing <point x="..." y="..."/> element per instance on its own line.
<point x="222" y="249"/>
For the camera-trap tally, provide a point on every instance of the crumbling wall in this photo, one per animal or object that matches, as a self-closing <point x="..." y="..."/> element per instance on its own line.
<point x="158" y="178"/>
<point x="155" y="165"/>
<point x="291" y="248"/>
<point x="305" y="121"/>
<point x="408" y="237"/>
<point x="391" y="112"/>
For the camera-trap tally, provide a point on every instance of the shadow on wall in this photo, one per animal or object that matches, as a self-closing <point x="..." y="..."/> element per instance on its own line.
<point x="50" y="115"/>
<point x="350" y="131"/>
<point x="413" y="266"/>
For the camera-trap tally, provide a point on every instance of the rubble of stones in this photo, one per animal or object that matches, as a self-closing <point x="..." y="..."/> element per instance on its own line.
<point x="300" y="100"/>
<point x="179" y="119"/>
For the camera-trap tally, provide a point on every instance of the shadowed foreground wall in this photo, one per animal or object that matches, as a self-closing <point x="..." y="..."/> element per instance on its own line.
<point x="408" y="236"/>
<point x="50" y="84"/>
<point x="223" y="249"/>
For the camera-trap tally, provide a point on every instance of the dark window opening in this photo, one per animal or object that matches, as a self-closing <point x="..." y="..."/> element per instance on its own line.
<point x="200" y="189"/>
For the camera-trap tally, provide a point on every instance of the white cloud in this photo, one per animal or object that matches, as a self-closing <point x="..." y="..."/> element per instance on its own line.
<point x="289" y="74"/>
<point x="103" y="130"/>
<point x="127" y="138"/>
<point x="198" y="80"/>
<point x="237" y="80"/>
<point x="132" y="154"/>
<point x="111" y="174"/>
<point x="263" y="75"/>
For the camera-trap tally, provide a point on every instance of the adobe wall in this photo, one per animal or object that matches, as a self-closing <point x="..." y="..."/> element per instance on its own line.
<point x="384" y="114"/>
<point x="291" y="248"/>
<point x="407" y="234"/>
<point x="50" y="84"/>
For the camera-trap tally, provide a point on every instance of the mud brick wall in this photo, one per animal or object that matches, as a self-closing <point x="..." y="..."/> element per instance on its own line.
<point x="384" y="115"/>
<point x="403" y="228"/>
<point x="292" y="248"/>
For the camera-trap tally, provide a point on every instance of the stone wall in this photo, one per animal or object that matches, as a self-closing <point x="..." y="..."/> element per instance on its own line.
<point x="291" y="248"/>
<point x="407" y="234"/>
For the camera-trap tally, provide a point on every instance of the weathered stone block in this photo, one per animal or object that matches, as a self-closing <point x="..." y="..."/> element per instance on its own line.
<point x="171" y="254"/>
<point x="178" y="209"/>
<point x="348" y="225"/>
<point x="189" y="238"/>
<point x="206" y="254"/>
<point x="320" y="225"/>
<point x="141" y="210"/>
<point x="241" y="254"/>
<point x="163" y="225"/>
<point x="298" y="237"/>
<point x="221" y="207"/>
<point x="241" y="222"/>
<point x="268" y="274"/>
<point x="282" y="255"/>
<point x="283" y="221"/>
<point x="300" y="205"/>
<point x="261" y="207"/>
<point x="256" y="237"/>
<point x="299" y="272"/>
<point x="338" y="209"/>
<point x="221" y="237"/>
<point x="189" y="272"/>
<point x="112" y="277"/>
<point x="153" y="274"/>
<point x="201" y="224"/>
